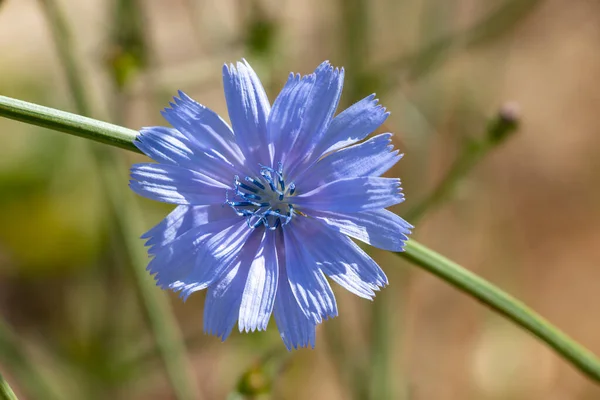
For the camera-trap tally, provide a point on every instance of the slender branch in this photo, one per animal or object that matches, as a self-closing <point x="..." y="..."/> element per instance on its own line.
<point x="498" y="130"/>
<point x="6" y="392"/>
<point x="69" y="123"/>
<point x="425" y="258"/>
<point x="504" y="304"/>
<point x="162" y="322"/>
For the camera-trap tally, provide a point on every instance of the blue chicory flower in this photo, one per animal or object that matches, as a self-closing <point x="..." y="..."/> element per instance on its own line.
<point x="265" y="207"/>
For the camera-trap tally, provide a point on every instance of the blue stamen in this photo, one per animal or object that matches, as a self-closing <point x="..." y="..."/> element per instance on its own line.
<point x="247" y="204"/>
<point x="268" y="178"/>
<point x="248" y="196"/>
<point x="246" y="187"/>
<point x="255" y="182"/>
<point x="248" y="200"/>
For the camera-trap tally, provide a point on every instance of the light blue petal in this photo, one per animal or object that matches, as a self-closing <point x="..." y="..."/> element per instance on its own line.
<point x="173" y="184"/>
<point x="352" y="195"/>
<point x="249" y="110"/>
<point x="379" y="228"/>
<point x="340" y="258"/>
<point x="370" y="158"/>
<point x="352" y="125"/>
<point x="216" y="256"/>
<point x="302" y="113"/>
<point x="182" y="219"/>
<point x="309" y="286"/>
<point x="169" y="146"/>
<point x="295" y="328"/>
<point x="285" y="120"/>
<point x="174" y="262"/>
<point x="317" y="115"/>
<point x="224" y="296"/>
<point x="204" y="129"/>
<point x="166" y="145"/>
<point x="259" y="293"/>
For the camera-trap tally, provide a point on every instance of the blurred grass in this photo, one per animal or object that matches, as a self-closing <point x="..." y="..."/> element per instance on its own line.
<point x="495" y="25"/>
<point x="31" y="377"/>
<point x="110" y="166"/>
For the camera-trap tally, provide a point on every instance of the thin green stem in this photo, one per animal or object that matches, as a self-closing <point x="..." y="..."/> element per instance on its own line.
<point x="427" y="259"/>
<point x="28" y="373"/>
<point x="6" y="393"/>
<point x="161" y="320"/>
<point x="472" y="152"/>
<point x="72" y="124"/>
<point x="504" y="304"/>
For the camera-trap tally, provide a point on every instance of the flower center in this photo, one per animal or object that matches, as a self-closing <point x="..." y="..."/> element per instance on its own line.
<point x="263" y="201"/>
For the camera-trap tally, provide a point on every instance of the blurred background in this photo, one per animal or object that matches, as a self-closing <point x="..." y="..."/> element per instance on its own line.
<point x="82" y="320"/>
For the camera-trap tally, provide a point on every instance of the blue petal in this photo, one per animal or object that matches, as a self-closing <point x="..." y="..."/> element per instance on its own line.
<point x="174" y="262"/>
<point x="295" y="328"/>
<point x="173" y="184"/>
<point x="318" y="113"/>
<point x="204" y="129"/>
<point x="340" y="258"/>
<point x="249" y="109"/>
<point x="285" y="119"/>
<point x="224" y="296"/>
<point x="370" y="158"/>
<point x="379" y="228"/>
<point x="169" y="146"/>
<point x="182" y="219"/>
<point x="309" y="286"/>
<point x="218" y="253"/>
<point x="259" y="293"/>
<point x="352" y="125"/>
<point x="302" y="113"/>
<point x="353" y="195"/>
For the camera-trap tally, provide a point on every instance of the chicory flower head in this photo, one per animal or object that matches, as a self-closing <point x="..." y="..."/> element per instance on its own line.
<point x="265" y="207"/>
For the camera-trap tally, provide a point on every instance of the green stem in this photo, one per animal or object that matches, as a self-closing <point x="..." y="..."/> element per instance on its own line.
<point x="504" y="304"/>
<point x="498" y="130"/>
<point x="6" y="392"/>
<point x="32" y="378"/>
<point x="69" y="123"/>
<point x="416" y="253"/>
<point x="161" y="320"/>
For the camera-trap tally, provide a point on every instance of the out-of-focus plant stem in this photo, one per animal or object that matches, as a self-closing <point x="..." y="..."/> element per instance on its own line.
<point x="33" y="381"/>
<point x="370" y="379"/>
<point x="108" y="163"/>
<point x="6" y="392"/>
<point x="454" y="274"/>
<point x="504" y="304"/>
<point x="500" y="21"/>
<point x="472" y="152"/>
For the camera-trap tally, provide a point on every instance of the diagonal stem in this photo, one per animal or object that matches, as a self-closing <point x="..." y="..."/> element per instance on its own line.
<point x="504" y="304"/>
<point x="454" y="274"/>
<point x="498" y="130"/>
<point x="6" y="392"/>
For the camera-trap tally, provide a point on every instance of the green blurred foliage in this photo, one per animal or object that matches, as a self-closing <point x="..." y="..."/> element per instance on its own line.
<point x="127" y="53"/>
<point x="260" y="32"/>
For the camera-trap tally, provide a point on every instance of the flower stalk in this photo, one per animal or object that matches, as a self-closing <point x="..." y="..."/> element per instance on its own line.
<point x="452" y="273"/>
<point x="6" y="393"/>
